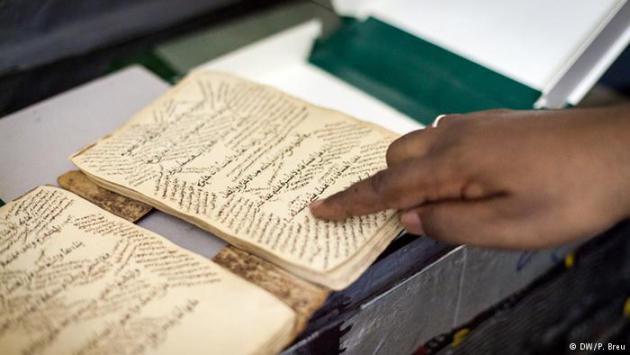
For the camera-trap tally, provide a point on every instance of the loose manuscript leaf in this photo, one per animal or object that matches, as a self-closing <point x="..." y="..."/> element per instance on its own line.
<point x="75" y="279"/>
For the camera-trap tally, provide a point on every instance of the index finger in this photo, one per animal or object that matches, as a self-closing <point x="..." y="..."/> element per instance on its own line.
<point x="398" y="187"/>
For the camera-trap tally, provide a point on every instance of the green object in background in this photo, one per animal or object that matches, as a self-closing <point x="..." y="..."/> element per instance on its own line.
<point x="414" y="76"/>
<point x="1" y="203"/>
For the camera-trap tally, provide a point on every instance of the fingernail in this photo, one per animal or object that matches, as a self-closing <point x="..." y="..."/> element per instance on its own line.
<point x="411" y="221"/>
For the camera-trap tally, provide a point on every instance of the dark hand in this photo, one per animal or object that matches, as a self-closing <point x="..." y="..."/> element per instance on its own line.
<point x="514" y="179"/>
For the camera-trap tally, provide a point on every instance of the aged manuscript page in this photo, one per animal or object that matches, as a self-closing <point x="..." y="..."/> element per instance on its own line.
<point x="75" y="279"/>
<point x="244" y="161"/>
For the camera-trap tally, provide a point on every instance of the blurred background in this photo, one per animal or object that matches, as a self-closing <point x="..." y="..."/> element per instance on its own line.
<point x="49" y="46"/>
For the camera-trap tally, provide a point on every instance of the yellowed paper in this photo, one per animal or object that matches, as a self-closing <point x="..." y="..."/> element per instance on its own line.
<point x="75" y="279"/>
<point x="244" y="161"/>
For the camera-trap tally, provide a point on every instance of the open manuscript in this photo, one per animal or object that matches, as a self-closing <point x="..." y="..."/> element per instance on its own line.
<point x="76" y="279"/>
<point x="244" y="161"/>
